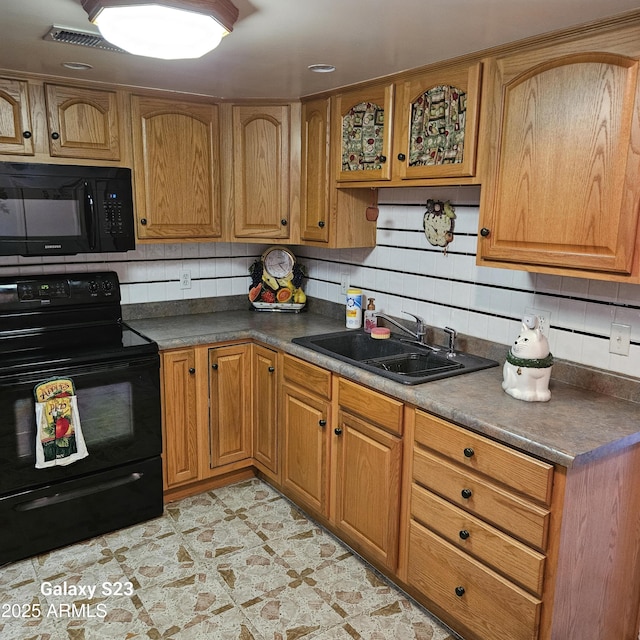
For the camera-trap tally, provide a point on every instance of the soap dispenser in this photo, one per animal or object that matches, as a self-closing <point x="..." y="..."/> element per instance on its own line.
<point x="370" y="318"/>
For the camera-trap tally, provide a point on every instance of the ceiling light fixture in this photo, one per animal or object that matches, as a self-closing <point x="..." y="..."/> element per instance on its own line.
<point x="166" y="29"/>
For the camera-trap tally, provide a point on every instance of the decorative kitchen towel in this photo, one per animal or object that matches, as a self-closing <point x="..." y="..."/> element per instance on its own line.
<point x="59" y="439"/>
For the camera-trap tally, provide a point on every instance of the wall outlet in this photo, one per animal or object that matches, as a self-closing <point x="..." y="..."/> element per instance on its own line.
<point x="544" y="318"/>
<point x="620" y="339"/>
<point x="344" y="283"/>
<point x="185" y="279"/>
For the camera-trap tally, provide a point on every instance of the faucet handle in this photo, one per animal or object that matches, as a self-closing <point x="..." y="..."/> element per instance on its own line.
<point x="452" y="333"/>
<point x="419" y="320"/>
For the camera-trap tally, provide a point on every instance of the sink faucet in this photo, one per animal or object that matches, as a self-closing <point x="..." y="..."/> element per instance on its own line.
<point x="421" y="326"/>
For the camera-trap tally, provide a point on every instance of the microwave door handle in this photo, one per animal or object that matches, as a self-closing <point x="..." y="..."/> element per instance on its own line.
<point x="89" y="215"/>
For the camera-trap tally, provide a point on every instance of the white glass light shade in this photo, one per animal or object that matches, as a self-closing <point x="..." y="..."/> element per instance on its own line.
<point x="160" y="32"/>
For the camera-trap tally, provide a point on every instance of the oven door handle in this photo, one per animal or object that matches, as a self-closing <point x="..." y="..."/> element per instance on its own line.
<point x="57" y="498"/>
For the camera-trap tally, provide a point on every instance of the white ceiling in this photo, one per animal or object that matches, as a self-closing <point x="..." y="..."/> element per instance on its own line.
<point x="274" y="41"/>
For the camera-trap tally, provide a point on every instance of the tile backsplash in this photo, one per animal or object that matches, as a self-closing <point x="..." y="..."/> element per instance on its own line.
<point x="403" y="272"/>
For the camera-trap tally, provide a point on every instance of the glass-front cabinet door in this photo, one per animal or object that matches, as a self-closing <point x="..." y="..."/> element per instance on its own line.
<point x="436" y="126"/>
<point x="362" y="133"/>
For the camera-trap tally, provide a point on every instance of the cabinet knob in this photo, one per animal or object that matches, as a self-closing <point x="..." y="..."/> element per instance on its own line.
<point x="469" y="452"/>
<point x="466" y="493"/>
<point x="192" y="370"/>
<point x="271" y="369"/>
<point x="402" y="157"/>
<point x="337" y="431"/>
<point x="322" y="423"/>
<point x="484" y="232"/>
<point x="459" y="591"/>
<point x="283" y="222"/>
<point x="143" y="221"/>
<point x="26" y="134"/>
<point x="214" y="366"/>
<point x="55" y="135"/>
<point x="321" y="224"/>
<point x="383" y="159"/>
<point x="464" y="534"/>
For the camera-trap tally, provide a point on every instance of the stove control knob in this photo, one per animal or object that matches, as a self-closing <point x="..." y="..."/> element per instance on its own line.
<point x="107" y="285"/>
<point x="93" y="286"/>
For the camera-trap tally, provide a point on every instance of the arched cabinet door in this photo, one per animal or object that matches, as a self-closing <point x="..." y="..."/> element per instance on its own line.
<point x="82" y="123"/>
<point x="561" y="185"/>
<point x="16" y="131"/>
<point x="436" y="124"/>
<point x="361" y="133"/>
<point x="177" y="168"/>
<point x="262" y="203"/>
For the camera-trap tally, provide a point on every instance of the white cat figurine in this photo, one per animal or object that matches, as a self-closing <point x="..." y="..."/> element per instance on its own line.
<point x="527" y="369"/>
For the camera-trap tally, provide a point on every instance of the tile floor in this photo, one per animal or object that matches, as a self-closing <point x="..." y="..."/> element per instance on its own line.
<point x="237" y="563"/>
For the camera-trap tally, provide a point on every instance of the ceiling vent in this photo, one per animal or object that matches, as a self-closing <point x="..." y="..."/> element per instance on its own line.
<point x="66" y="35"/>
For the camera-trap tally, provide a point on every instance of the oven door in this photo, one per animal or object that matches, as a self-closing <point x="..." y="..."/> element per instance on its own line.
<point x="119" y="412"/>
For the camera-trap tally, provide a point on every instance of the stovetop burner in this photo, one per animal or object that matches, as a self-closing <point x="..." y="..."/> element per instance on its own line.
<point x="64" y="319"/>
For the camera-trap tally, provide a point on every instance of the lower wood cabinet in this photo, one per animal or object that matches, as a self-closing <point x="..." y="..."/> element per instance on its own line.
<point x="180" y="421"/>
<point x="305" y="422"/>
<point x="229" y="404"/>
<point x="265" y="407"/>
<point x="366" y="471"/>
<point x="206" y="415"/>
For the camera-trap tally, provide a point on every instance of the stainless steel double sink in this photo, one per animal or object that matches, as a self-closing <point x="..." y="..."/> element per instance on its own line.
<point x="408" y="362"/>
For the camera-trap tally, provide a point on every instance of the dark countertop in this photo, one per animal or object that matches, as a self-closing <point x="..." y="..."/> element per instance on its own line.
<point x="575" y="427"/>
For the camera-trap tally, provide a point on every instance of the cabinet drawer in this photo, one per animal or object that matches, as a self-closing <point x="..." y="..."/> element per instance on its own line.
<point x="307" y="376"/>
<point x="374" y="407"/>
<point x="516" y="561"/>
<point x="523" y="473"/>
<point x="519" y="517"/>
<point x="490" y="606"/>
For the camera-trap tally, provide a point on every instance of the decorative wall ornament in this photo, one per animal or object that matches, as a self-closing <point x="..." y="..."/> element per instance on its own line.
<point x="439" y="221"/>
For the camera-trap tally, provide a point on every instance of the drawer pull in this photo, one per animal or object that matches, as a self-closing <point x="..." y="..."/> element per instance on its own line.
<point x="466" y="493"/>
<point x="459" y="591"/>
<point x="464" y="534"/>
<point x="271" y="369"/>
<point x="214" y="366"/>
<point x="338" y="431"/>
<point x="192" y="370"/>
<point x="322" y="423"/>
<point x="469" y="452"/>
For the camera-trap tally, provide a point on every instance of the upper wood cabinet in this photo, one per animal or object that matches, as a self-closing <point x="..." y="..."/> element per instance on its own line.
<point x="263" y="203"/>
<point x="436" y="123"/>
<point x="176" y="168"/>
<point x="83" y="123"/>
<point x="562" y="140"/>
<point x="361" y="133"/>
<point x="80" y="122"/>
<point x="329" y="216"/>
<point x="16" y="130"/>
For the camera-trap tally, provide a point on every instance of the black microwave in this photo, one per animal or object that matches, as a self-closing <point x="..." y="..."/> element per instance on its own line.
<point x="48" y="209"/>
